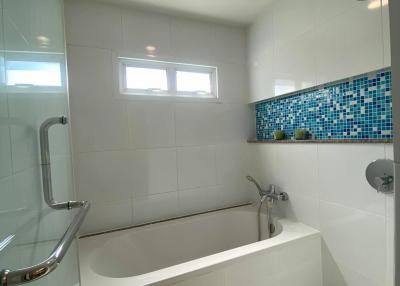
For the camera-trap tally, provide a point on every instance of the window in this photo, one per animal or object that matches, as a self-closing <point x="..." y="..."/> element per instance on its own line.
<point x="30" y="73"/>
<point x="156" y="78"/>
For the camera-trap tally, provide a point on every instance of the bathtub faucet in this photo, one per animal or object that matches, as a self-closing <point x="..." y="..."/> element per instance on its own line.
<point x="272" y="195"/>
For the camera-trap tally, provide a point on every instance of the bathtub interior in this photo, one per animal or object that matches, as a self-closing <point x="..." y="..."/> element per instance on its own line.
<point x="145" y="249"/>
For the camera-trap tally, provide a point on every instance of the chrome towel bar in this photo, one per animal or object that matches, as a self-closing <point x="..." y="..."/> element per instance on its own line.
<point x="32" y="273"/>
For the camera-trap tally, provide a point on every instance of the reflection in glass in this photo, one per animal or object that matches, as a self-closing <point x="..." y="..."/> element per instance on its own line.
<point x="33" y="73"/>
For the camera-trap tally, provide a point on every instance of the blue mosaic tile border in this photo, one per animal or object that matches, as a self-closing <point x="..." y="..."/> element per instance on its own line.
<point x="356" y="108"/>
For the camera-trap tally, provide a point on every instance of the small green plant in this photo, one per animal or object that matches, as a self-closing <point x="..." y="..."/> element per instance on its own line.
<point x="300" y="134"/>
<point x="279" y="135"/>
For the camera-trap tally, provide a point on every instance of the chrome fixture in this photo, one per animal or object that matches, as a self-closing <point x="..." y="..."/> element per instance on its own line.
<point x="32" y="273"/>
<point x="35" y="272"/>
<point x="380" y="175"/>
<point x="46" y="167"/>
<point x="271" y="195"/>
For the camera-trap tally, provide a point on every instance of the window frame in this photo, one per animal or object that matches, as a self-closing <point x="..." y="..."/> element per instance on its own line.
<point x="171" y="73"/>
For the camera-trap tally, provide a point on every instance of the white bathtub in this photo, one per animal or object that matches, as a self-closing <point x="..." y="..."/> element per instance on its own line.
<point x="184" y="249"/>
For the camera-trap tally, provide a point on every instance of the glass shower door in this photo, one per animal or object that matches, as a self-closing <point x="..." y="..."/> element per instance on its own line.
<point x="33" y="88"/>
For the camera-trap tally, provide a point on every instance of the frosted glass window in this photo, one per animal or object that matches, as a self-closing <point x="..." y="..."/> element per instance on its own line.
<point x="193" y="82"/>
<point x="33" y="73"/>
<point x="146" y="78"/>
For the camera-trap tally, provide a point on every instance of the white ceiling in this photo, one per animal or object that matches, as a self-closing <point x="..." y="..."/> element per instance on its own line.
<point x="240" y="12"/>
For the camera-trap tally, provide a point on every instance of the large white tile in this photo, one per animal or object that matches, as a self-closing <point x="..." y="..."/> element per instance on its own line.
<point x="342" y="175"/>
<point x="192" y="40"/>
<point x="196" y="123"/>
<point x="327" y="10"/>
<point x="158" y="170"/>
<point x="93" y="25"/>
<point x="301" y="260"/>
<point x="234" y="123"/>
<point x="90" y="73"/>
<point x="387" y="58"/>
<point x="107" y="176"/>
<point x="247" y="271"/>
<point x="301" y="208"/>
<point x="142" y="30"/>
<point x="196" y="167"/>
<point x="151" y="124"/>
<point x="230" y="44"/>
<point x="260" y="37"/>
<point x="99" y="125"/>
<point x="295" y="63"/>
<point x="292" y="18"/>
<point x="349" y="45"/>
<point x="214" y="278"/>
<point x="198" y="200"/>
<point x="356" y="239"/>
<point x="155" y="207"/>
<point x="233" y="82"/>
<point x="295" y="168"/>
<point x="261" y="78"/>
<point x="108" y="216"/>
<point x="230" y="163"/>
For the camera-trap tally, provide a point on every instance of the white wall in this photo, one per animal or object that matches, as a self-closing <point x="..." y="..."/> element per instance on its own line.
<point x="328" y="190"/>
<point x="139" y="161"/>
<point x="302" y="43"/>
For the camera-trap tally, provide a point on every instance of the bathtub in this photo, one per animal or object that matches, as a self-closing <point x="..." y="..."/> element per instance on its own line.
<point x="204" y="246"/>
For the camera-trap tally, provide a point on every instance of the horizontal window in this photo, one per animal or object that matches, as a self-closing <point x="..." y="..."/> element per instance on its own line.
<point x="156" y="78"/>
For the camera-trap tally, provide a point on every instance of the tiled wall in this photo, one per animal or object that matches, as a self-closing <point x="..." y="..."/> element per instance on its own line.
<point x="328" y="190"/>
<point x="139" y="161"/>
<point x="300" y="44"/>
<point x="357" y="108"/>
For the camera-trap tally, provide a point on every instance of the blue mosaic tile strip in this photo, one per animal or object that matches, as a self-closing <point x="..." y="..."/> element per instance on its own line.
<point x="356" y="108"/>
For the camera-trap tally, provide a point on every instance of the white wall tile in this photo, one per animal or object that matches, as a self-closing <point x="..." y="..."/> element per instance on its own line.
<point x="93" y="25"/>
<point x="292" y="18"/>
<point x="232" y="82"/>
<point x="326" y="10"/>
<point x="196" y="123"/>
<point x="141" y="30"/>
<point x="152" y="124"/>
<point x="349" y="45"/>
<point x="107" y="216"/>
<point x="89" y="73"/>
<point x="107" y="176"/>
<point x="192" y="40"/>
<point x="196" y="167"/>
<point x="387" y="61"/>
<point x="295" y="67"/>
<point x="350" y="240"/>
<point x="201" y="199"/>
<point x="233" y="123"/>
<point x="342" y="176"/>
<point x="158" y="170"/>
<point x="155" y="207"/>
<point x="214" y="278"/>
<point x="230" y="44"/>
<point x="99" y="125"/>
<point x="262" y="78"/>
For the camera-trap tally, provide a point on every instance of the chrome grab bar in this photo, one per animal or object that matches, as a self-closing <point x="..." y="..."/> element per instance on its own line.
<point x="32" y="273"/>
<point x="24" y="275"/>
<point x="45" y="162"/>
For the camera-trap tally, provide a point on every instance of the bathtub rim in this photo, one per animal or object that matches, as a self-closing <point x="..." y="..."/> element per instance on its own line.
<point x="291" y="231"/>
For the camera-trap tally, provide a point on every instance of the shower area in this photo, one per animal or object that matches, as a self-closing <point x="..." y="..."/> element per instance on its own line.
<point x="232" y="143"/>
